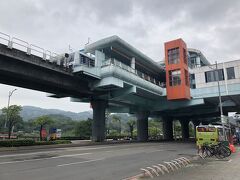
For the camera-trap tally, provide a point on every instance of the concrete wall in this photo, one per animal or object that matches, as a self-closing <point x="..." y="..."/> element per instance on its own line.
<point x="200" y="75"/>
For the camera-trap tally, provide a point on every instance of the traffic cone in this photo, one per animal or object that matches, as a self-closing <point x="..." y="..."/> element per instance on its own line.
<point x="232" y="148"/>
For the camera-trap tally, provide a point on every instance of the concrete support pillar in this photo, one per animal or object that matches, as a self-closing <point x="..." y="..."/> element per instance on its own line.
<point x="98" y="125"/>
<point x="133" y="63"/>
<point x="184" y="128"/>
<point x="167" y="128"/>
<point x="142" y="125"/>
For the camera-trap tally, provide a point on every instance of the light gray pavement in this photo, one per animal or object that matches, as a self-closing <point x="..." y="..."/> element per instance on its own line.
<point x="208" y="169"/>
<point x="99" y="162"/>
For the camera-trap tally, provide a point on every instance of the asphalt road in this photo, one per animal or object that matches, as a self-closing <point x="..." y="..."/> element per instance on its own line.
<point x="100" y="162"/>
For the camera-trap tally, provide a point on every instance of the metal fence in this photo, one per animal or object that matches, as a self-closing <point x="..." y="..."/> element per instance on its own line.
<point x="29" y="49"/>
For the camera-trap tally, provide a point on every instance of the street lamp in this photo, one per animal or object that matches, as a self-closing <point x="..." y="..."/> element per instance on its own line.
<point x="9" y="97"/>
<point x="219" y="96"/>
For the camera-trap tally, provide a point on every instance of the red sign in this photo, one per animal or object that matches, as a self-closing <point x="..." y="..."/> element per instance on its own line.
<point x="44" y="133"/>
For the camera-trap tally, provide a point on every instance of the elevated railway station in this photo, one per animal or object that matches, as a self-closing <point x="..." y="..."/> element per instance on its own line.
<point x="116" y="77"/>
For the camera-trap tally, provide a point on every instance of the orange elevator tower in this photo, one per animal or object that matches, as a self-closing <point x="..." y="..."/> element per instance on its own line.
<point x="177" y="75"/>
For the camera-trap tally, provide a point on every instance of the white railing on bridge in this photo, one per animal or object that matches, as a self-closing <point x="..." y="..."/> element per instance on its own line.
<point x="29" y="49"/>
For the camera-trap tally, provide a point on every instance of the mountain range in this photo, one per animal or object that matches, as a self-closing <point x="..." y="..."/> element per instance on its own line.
<point x="31" y="112"/>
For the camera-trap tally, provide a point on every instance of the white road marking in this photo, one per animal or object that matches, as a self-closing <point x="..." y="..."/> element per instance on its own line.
<point x="56" y="151"/>
<point x="108" y="151"/>
<point x="81" y="162"/>
<point x="83" y="149"/>
<point x="69" y="149"/>
<point x="27" y="154"/>
<point x="39" y="159"/>
<point x="159" y="150"/>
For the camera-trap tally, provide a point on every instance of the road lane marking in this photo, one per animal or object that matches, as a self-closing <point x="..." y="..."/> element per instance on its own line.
<point x="160" y="150"/>
<point x="27" y="154"/>
<point x="81" y="162"/>
<point x="47" y="152"/>
<point x="60" y="150"/>
<point x="72" y="149"/>
<point x="39" y="159"/>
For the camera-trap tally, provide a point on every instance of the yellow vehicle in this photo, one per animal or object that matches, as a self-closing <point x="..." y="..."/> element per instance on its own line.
<point x="209" y="134"/>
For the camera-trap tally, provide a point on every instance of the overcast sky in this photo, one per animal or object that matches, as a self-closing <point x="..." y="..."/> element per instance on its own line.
<point x="212" y="26"/>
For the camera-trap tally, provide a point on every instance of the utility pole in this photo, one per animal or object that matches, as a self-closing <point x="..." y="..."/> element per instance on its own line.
<point x="220" y="101"/>
<point x="9" y="97"/>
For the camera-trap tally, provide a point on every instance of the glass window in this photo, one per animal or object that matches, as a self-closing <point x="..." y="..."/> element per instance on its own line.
<point x="230" y="73"/>
<point x="173" y="56"/>
<point x="186" y="78"/>
<point x="211" y="76"/>
<point x="206" y="129"/>
<point x="219" y="75"/>
<point x="175" y="77"/>
<point x="193" y="61"/>
<point x="192" y="81"/>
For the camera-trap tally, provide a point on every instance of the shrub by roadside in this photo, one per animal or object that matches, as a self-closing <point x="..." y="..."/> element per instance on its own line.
<point x="29" y="142"/>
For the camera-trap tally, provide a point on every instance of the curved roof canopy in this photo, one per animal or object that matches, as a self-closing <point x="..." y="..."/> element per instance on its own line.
<point x="203" y="58"/>
<point x="123" y="47"/>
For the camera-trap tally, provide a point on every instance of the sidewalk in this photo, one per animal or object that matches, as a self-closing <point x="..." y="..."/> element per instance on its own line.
<point x="209" y="169"/>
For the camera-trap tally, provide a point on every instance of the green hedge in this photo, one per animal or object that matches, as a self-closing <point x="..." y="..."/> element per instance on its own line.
<point x="75" y="138"/>
<point x="29" y="142"/>
<point x="52" y="142"/>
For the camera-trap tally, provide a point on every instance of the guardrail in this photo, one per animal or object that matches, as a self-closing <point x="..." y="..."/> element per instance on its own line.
<point x="29" y="49"/>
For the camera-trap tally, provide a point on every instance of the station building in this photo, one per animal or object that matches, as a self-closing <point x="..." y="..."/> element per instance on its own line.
<point x="183" y="87"/>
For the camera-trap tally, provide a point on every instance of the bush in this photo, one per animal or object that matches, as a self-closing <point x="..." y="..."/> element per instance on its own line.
<point x="52" y="142"/>
<point x="75" y="138"/>
<point x="16" y="143"/>
<point x="29" y="142"/>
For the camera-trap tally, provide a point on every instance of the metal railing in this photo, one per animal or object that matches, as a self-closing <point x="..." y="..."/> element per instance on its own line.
<point x="115" y="62"/>
<point x="5" y="38"/>
<point x="29" y="49"/>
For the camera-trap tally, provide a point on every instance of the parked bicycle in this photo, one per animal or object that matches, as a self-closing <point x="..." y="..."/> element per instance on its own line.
<point x="219" y="150"/>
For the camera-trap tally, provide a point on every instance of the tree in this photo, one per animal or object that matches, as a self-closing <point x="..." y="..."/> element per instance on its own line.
<point x="42" y="121"/>
<point x="2" y="122"/>
<point x="84" y="128"/>
<point x="116" y="124"/>
<point x="131" y="123"/>
<point x="13" y="114"/>
<point x="154" y="128"/>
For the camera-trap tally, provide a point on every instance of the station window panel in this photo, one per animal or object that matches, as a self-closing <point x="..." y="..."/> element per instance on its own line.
<point x="175" y="77"/>
<point x="83" y="59"/>
<point x="186" y="77"/>
<point x="192" y="62"/>
<point x="215" y="75"/>
<point x="220" y="74"/>
<point x="192" y="81"/>
<point x="230" y="73"/>
<point x="173" y="56"/>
